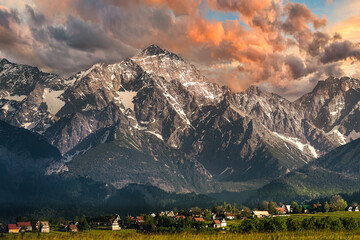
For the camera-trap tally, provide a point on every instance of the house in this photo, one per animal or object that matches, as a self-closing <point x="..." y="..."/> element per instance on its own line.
<point x="72" y="228"/>
<point x="115" y="223"/>
<point x="216" y="223"/>
<point x="223" y="223"/>
<point x="350" y="209"/>
<point x="26" y="226"/>
<point x="213" y="216"/>
<point x="170" y="214"/>
<point x="43" y="226"/>
<point x="138" y="222"/>
<point x="288" y="208"/>
<point x="229" y="216"/>
<point x="199" y="219"/>
<point x="280" y="210"/>
<point x="306" y="208"/>
<point x="356" y="209"/>
<point x="13" y="228"/>
<point x="179" y="216"/>
<point x="261" y="214"/>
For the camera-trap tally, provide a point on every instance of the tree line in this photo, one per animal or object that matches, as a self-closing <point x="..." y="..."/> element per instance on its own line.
<point x="276" y="224"/>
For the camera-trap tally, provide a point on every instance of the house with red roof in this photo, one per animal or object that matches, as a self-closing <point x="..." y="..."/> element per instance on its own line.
<point x="72" y="228"/>
<point x="199" y="219"/>
<point x="281" y="210"/>
<point x="13" y="228"/>
<point x="25" y="226"/>
<point x="179" y="216"/>
<point x="229" y="216"/>
<point x="216" y="223"/>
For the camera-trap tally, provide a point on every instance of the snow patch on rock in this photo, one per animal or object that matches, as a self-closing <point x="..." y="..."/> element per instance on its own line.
<point x="18" y="98"/>
<point x="8" y="108"/>
<point x="52" y="100"/>
<point x="156" y="134"/>
<point x="126" y="98"/>
<point x="337" y="135"/>
<point x="353" y="135"/>
<point x="298" y="144"/>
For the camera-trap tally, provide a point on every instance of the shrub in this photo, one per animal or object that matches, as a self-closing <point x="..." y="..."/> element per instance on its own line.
<point x="336" y="224"/>
<point x="324" y="223"/>
<point x="349" y="223"/>
<point x="309" y="223"/>
<point x="293" y="224"/>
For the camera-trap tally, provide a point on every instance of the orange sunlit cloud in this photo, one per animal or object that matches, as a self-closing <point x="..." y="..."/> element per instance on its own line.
<point x="275" y="43"/>
<point x="348" y="29"/>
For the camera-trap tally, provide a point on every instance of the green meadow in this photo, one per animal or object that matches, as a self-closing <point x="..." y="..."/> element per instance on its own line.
<point x="130" y="234"/>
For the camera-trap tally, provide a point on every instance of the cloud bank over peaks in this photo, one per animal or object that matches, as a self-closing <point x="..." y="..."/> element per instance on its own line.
<point x="280" y="45"/>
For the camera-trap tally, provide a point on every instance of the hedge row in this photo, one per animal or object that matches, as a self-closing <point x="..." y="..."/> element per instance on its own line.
<point x="292" y="224"/>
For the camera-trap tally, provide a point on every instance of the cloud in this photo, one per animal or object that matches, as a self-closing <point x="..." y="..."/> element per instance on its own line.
<point x="296" y="66"/>
<point x="35" y="19"/>
<point x="8" y="16"/>
<point x="298" y="16"/>
<point x="246" y="8"/>
<point x="348" y="29"/>
<point x="338" y="51"/>
<point x="277" y="44"/>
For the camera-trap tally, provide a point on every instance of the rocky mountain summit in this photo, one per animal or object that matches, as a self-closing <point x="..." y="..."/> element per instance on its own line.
<point x="154" y="118"/>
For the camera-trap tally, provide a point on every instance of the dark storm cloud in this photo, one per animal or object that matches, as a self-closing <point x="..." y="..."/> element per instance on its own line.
<point x="337" y="51"/>
<point x="35" y="19"/>
<point x="296" y="66"/>
<point x="319" y="41"/>
<point x="82" y="35"/>
<point x="7" y="16"/>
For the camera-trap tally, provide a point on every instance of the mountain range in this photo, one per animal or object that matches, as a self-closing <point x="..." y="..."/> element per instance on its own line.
<point x="155" y="119"/>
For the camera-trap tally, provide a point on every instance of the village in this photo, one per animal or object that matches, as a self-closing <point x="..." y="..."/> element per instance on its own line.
<point x="219" y="218"/>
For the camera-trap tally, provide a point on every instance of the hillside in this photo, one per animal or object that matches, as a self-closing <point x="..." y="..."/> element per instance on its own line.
<point x="335" y="172"/>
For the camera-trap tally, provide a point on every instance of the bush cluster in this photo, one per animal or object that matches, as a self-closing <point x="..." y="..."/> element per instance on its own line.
<point x="293" y="224"/>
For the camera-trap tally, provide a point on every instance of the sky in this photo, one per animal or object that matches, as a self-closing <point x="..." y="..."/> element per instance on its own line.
<point x="283" y="46"/>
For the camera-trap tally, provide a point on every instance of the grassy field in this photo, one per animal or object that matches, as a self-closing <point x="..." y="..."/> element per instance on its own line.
<point x="132" y="234"/>
<point x="355" y="215"/>
<point x="125" y="234"/>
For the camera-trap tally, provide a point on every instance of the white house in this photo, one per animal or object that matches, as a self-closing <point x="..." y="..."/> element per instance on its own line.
<point x="223" y="223"/>
<point x="115" y="223"/>
<point x="261" y="214"/>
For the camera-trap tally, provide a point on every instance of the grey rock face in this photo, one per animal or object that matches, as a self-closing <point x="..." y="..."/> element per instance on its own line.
<point x="231" y="136"/>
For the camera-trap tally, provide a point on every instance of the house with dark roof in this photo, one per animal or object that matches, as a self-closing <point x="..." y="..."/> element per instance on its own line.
<point x="306" y="208"/>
